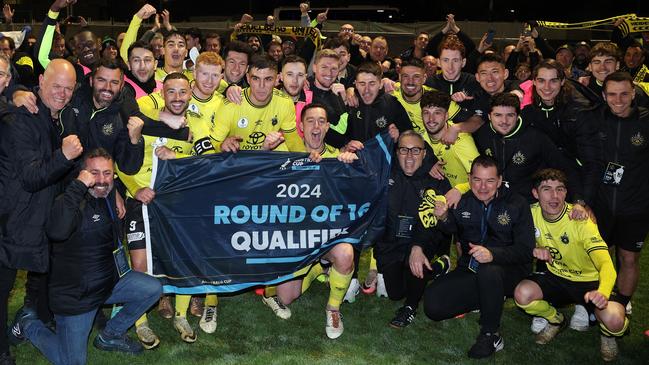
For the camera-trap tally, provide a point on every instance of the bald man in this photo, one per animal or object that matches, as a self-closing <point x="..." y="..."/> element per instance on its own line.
<point x="33" y="164"/>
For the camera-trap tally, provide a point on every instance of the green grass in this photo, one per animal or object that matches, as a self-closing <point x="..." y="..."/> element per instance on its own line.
<point x="249" y="333"/>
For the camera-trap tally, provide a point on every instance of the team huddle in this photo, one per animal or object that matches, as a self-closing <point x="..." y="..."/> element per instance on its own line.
<point x="530" y="167"/>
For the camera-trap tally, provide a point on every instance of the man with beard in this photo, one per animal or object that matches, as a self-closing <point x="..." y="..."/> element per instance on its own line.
<point x="265" y="118"/>
<point x="82" y="280"/>
<point x="314" y="123"/>
<point x="176" y="94"/>
<point x="582" y="50"/>
<point x="377" y="111"/>
<point x="410" y="90"/>
<point x="94" y="115"/>
<point x="455" y="160"/>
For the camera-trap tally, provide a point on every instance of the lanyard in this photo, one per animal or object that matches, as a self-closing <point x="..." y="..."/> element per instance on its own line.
<point x="114" y="224"/>
<point x="484" y="224"/>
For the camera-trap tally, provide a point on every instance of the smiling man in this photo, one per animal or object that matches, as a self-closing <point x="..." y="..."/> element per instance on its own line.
<point x="580" y="269"/>
<point x="617" y="182"/>
<point x="495" y="231"/>
<point x="175" y="51"/>
<point x="95" y="115"/>
<point x="265" y="118"/>
<point x="519" y="149"/>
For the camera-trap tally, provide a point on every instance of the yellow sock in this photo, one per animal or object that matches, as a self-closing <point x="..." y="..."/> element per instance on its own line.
<point x="316" y="269"/>
<point x="270" y="291"/>
<point x="541" y="308"/>
<point x="606" y="332"/>
<point x="338" y="284"/>
<point x="372" y="260"/>
<point x="211" y="300"/>
<point x="141" y="320"/>
<point x="182" y="304"/>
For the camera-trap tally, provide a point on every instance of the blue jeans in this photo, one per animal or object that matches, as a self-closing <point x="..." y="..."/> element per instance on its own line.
<point x="68" y="346"/>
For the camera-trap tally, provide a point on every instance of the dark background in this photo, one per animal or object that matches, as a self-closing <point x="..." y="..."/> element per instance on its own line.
<point x="409" y="10"/>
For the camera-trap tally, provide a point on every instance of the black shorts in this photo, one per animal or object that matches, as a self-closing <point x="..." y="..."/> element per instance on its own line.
<point x="134" y="225"/>
<point x="560" y="291"/>
<point x="625" y="231"/>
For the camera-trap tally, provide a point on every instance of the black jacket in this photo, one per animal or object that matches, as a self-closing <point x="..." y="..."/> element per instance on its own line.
<point x="82" y="232"/>
<point x="404" y="197"/>
<point x="366" y="121"/>
<point x="466" y="82"/>
<point x="624" y="141"/>
<point x="574" y="137"/>
<point x="506" y="221"/>
<point x="103" y="128"/>
<point x="33" y="169"/>
<point x="523" y="152"/>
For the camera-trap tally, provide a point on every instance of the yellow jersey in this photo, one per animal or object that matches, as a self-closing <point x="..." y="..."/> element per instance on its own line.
<point x="574" y="246"/>
<point x="160" y="74"/>
<point x="414" y="109"/>
<point x="252" y="123"/>
<point x="458" y="156"/>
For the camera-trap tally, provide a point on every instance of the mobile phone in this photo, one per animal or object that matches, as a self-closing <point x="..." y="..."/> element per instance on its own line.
<point x="473" y="264"/>
<point x="527" y="30"/>
<point x="490" y="36"/>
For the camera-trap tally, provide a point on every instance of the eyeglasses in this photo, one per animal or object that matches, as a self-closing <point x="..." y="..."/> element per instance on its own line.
<point x="414" y="150"/>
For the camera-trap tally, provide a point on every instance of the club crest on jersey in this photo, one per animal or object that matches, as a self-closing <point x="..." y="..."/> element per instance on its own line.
<point x="193" y="108"/>
<point x="242" y="123"/>
<point x="504" y="218"/>
<point x="518" y="158"/>
<point x="637" y="139"/>
<point x="274" y="121"/>
<point x="107" y="129"/>
<point x="564" y="238"/>
<point x="381" y="122"/>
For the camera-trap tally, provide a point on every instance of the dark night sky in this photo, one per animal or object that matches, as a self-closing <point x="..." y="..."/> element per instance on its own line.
<point x="410" y="10"/>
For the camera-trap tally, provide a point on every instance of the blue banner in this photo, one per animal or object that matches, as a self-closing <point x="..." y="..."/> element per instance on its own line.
<point x="229" y="222"/>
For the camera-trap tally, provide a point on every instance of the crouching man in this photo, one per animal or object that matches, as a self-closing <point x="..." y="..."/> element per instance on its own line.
<point x="580" y="269"/>
<point x="89" y="268"/>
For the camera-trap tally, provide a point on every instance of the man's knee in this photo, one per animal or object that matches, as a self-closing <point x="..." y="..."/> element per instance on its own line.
<point x="342" y="257"/>
<point x="148" y="286"/>
<point x="526" y="292"/>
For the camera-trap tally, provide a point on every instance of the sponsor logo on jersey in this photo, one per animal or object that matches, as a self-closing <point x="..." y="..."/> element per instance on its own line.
<point x="256" y="137"/>
<point x="556" y="255"/>
<point x="466" y="215"/>
<point x="242" y="123"/>
<point x="137" y="236"/>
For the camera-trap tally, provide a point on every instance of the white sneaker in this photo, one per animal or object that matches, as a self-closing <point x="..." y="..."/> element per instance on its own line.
<point x="334" y="327"/>
<point x="277" y="306"/>
<point x="579" y="320"/>
<point x="629" y="308"/>
<point x="538" y="324"/>
<point x="352" y="291"/>
<point x="380" y="286"/>
<point x="208" y="319"/>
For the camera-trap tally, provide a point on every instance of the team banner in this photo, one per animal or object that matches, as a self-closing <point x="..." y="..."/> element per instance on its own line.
<point x="631" y="24"/>
<point x="228" y="222"/>
<point x="312" y="33"/>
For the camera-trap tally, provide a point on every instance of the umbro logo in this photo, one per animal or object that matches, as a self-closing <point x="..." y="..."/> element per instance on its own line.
<point x="96" y="218"/>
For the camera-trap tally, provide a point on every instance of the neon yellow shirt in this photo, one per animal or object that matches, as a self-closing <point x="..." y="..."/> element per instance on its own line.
<point x="252" y="123"/>
<point x="578" y="251"/>
<point x="414" y="109"/>
<point x="458" y="156"/>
